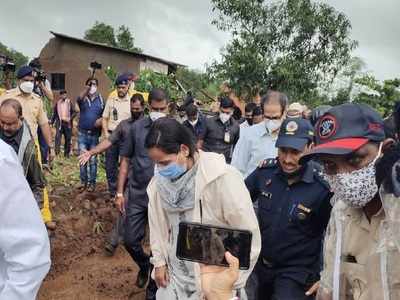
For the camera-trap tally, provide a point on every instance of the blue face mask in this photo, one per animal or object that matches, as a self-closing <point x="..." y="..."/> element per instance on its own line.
<point x="172" y="171"/>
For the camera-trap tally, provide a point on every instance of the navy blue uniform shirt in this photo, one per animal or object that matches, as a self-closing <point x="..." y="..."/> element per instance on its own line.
<point x="141" y="167"/>
<point x="292" y="217"/>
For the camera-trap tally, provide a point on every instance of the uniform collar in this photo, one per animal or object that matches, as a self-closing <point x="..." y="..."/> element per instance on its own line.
<point x="307" y="175"/>
<point x="126" y="98"/>
<point x="21" y="94"/>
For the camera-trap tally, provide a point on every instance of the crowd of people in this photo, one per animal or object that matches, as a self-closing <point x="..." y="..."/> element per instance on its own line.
<point x="317" y="189"/>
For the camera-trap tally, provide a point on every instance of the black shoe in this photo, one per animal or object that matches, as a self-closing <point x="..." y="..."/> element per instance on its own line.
<point x="91" y="188"/>
<point x="142" y="278"/>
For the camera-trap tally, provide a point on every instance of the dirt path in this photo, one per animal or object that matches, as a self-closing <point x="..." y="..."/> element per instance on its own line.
<point x="80" y="269"/>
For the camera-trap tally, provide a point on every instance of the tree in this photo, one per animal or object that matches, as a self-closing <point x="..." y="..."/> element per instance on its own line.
<point x="149" y="79"/>
<point x="101" y="33"/>
<point x="380" y="95"/>
<point x="125" y="39"/>
<point x="199" y="83"/>
<point x="105" y="34"/>
<point x="16" y="57"/>
<point x="292" y="45"/>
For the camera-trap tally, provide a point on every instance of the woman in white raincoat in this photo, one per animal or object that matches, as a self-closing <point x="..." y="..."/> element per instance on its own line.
<point x="191" y="185"/>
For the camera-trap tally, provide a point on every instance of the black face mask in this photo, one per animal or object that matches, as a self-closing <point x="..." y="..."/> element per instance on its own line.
<point x="136" y="115"/>
<point x="249" y="121"/>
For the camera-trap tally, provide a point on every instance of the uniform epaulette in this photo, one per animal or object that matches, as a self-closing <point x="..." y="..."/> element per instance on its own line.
<point x="268" y="163"/>
<point x="318" y="176"/>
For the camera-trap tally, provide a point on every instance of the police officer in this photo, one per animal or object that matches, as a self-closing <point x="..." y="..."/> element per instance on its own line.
<point x="136" y="161"/>
<point x="293" y="212"/>
<point x="116" y="110"/>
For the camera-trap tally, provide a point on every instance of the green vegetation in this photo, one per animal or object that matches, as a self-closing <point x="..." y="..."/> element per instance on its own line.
<point x="65" y="172"/>
<point x="103" y="33"/>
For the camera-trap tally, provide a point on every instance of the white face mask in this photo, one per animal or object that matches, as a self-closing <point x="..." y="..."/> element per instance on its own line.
<point x="93" y="90"/>
<point x="26" y="87"/>
<point x="356" y="188"/>
<point x="155" y="115"/>
<point x="224" y="117"/>
<point x="273" y="125"/>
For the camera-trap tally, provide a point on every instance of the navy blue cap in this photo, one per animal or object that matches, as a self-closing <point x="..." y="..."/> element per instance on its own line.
<point x="131" y="76"/>
<point x="347" y="127"/>
<point x="295" y="133"/>
<point x="122" y="79"/>
<point x="24" y="71"/>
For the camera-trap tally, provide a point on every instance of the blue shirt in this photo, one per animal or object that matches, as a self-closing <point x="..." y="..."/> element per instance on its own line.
<point x="292" y="217"/>
<point x="255" y="145"/>
<point x="90" y="111"/>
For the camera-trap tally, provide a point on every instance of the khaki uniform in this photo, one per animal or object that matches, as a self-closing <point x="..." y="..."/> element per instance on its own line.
<point x="131" y="92"/>
<point x="360" y="264"/>
<point x="123" y="107"/>
<point x="32" y="108"/>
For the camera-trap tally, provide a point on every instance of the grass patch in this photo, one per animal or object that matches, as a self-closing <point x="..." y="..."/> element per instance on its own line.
<point x="65" y="171"/>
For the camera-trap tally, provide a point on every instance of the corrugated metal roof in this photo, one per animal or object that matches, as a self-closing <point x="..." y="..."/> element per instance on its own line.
<point x="142" y="55"/>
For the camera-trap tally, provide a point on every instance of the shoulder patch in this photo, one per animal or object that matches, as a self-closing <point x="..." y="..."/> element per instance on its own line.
<point x="268" y="163"/>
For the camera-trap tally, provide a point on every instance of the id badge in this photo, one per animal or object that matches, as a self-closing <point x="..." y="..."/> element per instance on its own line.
<point x="227" y="137"/>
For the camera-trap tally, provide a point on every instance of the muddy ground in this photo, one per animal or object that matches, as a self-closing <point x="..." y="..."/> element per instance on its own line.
<point x="80" y="269"/>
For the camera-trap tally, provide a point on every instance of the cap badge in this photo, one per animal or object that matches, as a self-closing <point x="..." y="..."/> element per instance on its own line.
<point x="327" y="127"/>
<point x="291" y="127"/>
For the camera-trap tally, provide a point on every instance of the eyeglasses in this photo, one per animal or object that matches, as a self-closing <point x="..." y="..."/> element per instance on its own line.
<point x="272" y="118"/>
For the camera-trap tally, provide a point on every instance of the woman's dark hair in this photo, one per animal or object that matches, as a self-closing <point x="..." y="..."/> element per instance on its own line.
<point x="168" y="135"/>
<point x="90" y="79"/>
<point x="138" y="97"/>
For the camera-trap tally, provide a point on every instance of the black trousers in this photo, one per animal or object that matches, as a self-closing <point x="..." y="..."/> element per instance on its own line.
<point x="276" y="285"/>
<point x="134" y="227"/>
<point x="134" y="231"/>
<point x="44" y="148"/>
<point x="63" y="129"/>
<point x="112" y="165"/>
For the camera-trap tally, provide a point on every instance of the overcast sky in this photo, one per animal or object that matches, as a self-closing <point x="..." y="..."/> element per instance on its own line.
<point x="180" y="30"/>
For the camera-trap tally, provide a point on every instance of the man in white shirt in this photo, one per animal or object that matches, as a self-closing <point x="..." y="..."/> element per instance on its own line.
<point x="24" y="244"/>
<point x="257" y="142"/>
